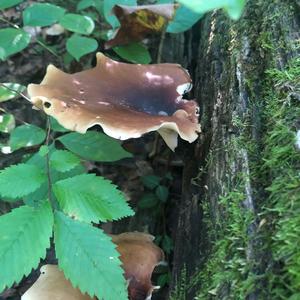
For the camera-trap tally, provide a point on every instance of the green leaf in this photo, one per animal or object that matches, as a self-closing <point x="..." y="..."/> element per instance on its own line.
<point x="63" y="160"/>
<point x="7" y="94"/>
<point x="150" y="181"/>
<point x="77" y="23"/>
<point x="149" y="200"/>
<point x="89" y="259"/>
<point x="24" y="237"/>
<point x="79" y="46"/>
<point x="12" y="41"/>
<point x="44" y="150"/>
<point x="55" y="126"/>
<point x="7" y="123"/>
<point x="167" y="244"/>
<point x="184" y="19"/>
<point x="83" y="4"/>
<point x="233" y="7"/>
<point x="42" y="14"/>
<point x="162" y="193"/>
<point x="26" y="136"/>
<point x="91" y="198"/>
<point x="107" y="10"/>
<point x="9" y="3"/>
<point x="94" y="146"/>
<point x="135" y="52"/>
<point x="20" y="180"/>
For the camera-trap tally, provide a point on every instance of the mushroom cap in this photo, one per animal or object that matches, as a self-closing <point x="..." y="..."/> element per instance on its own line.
<point x="126" y="100"/>
<point x="139" y="256"/>
<point x="52" y="285"/>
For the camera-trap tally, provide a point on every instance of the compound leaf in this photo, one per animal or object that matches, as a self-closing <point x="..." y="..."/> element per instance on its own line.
<point x="91" y="198"/>
<point x="20" y="180"/>
<point x="24" y="237"/>
<point x="90" y="260"/>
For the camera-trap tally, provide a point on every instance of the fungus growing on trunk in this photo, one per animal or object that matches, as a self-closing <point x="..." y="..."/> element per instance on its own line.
<point x="138" y="22"/>
<point x="139" y="256"/>
<point x="126" y="100"/>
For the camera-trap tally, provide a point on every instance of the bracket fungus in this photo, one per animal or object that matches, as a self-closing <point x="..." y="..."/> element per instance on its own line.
<point x="52" y="285"/>
<point x="126" y="100"/>
<point x="139" y="256"/>
<point x="137" y="22"/>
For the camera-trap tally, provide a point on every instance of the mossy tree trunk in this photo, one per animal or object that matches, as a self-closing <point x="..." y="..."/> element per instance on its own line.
<point x="237" y="222"/>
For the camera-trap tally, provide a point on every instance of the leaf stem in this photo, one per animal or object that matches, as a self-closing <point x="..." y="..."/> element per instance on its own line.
<point x="15" y="91"/>
<point x="47" y="48"/>
<point x="53" y="202"/>
<point x="10" y="23"/>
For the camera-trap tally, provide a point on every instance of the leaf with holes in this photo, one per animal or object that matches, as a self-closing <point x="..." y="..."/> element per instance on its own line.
<point x="24" y="237"/>
<point x="90" y="260"/>
<point x="91" y="198"/>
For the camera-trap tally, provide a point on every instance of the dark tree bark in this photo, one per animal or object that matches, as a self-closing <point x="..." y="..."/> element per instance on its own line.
<point x="228" y="61"/>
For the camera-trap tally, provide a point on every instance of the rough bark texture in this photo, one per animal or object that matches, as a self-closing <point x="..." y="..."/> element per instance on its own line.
<point x="230" y="85"/>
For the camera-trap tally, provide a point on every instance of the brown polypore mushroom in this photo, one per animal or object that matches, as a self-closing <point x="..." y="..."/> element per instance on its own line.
<point x="137" y="22"/>
<point x="139" y="256"/>
<point x="126" y="100"/>
<point x="52" y="285"/>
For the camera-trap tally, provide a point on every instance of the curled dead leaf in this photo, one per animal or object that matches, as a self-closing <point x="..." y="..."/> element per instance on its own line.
<point x="139" y="256"/>
<point x="52" y="285"/>
<point x="126" y="100"/>
<point x="138" y="22"/>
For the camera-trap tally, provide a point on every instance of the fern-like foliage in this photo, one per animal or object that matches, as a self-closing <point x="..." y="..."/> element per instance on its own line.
<point x="91" y="198"/>
<point x="20" y="180"/>
<point x="24" y="237"/>
<point x="88" y="258"/>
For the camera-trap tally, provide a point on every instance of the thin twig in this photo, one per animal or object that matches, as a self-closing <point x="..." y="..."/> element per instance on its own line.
<point x="47" y="48"/>
<point x="161" y="45"/>
<point x="15" y="91"/>
<point x="53" y="202"/>
<point x="9" y="23"/>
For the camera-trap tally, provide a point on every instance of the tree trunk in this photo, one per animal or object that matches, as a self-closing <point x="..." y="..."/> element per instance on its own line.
<point x="231" y="230"/>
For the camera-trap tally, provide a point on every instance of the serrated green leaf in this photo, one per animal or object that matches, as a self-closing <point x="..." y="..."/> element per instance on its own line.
<point x="91" y="198"/>
<point x="135" y="52"/>
<point x="149" y="200"/>
<point x="9" y="3"/>
<point x="94" y="146"/>
<point x="7" y="123"/>
<point x="7" y="94"/>
<point x="162" y="193"/>
<point x="90" y="260"/>
<point x="24" y="237"/>
<point x="77" y="23"/>
<point x="79" y="46"/>
<point x="26" y="136"/>
<point x="233" y="7"/>
<point x="20" y="180"/>
<point x="42" y="14"/>
<point x="108" y="6"/>
<point x="44" y="150"/>
<point x="184" y="19"/>
<point x="12" y="41"/>
<point x="63" y="160"/>
<point x="150" y="181"/>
